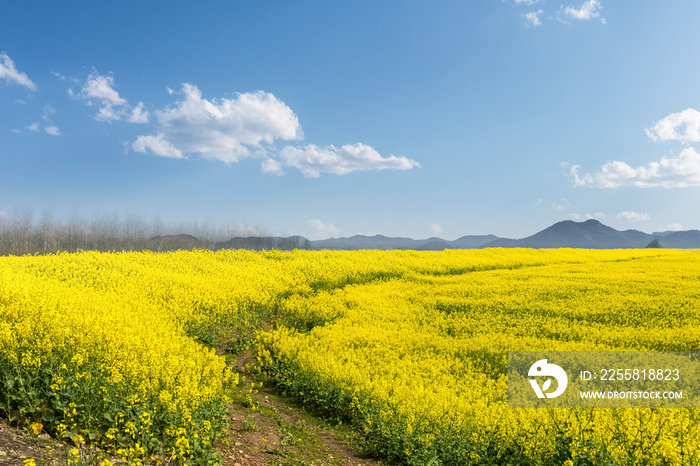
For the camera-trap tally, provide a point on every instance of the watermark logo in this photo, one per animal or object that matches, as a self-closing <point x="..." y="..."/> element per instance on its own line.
<point x="542" y="368"/>
<point x="603" y="379"/>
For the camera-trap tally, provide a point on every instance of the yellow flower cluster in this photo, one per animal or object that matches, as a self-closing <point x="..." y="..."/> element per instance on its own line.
<point x="116" y="349"/>
<point x="418" y="355"/>
<point x="104" y="346"/>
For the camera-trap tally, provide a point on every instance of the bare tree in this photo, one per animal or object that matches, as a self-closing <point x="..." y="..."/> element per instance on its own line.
<point x="48" y="233"/>
<point x="20" y="235"/>
<point x="22" y="231"/>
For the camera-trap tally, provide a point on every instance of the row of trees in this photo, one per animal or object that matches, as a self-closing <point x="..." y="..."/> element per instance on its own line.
<point x="22" y="233"/>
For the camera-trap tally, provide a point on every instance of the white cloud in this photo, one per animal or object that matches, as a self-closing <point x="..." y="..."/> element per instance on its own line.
<point x="674" y="227"/>
<point x="33" y="127"/>
<point x="633" y="216"/>
<point x="670" y="172"/>
<point x="10" y="73"/>
<point x="272" y="167"/>
<point x="525" y="2"/>
<point x="244" y="126"/>
<point x="593" y="216"/>
<point x="318" y="229"/>
<point x="682" y="126"/>
<point x="588" y="10"/>
<point x="563" y="204"/>
<point x="532" y="18"/>
<point x="312" y="160"/>
<point x="99" y="90"/>
<point x="560" y="205"/>
<point x="435" y="228"/>
<point x="224" y="129"/>
<point x="158" y="145"/>
<point x="138" y="115"/>
<point x="47" y="112"/>
<point x="52" y="130"/>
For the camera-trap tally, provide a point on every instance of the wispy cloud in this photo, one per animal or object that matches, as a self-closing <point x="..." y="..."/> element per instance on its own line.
<point x="318" y="229"/>
<point x="52" y="130"/>
<point x="222" y="129"/>
<point x="532" y="18"/>
<point x="158" y="145"/>
<point x="593" y="216"/>
<point x="674" y="227"/>
<point x="670" y="172"/>
<point x="9" y="72"/>
<point x="633" y="216"/>
<point x="312" y="160"/>
<point x="682" y="126"/>
<point x="272" y="167"/>
<point x="47" y="112"/>
<point x="590" y="9"/>
<point x="435" y="228"/>
<point x="561" y="205"/>
<point x="99" y="90"/>
<point x="138" y="114"/>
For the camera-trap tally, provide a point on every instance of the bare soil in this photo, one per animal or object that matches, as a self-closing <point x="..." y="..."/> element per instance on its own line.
<point x="17" y="445"/>
<point x="280" y="432"/>
<point x="274" y="431"/>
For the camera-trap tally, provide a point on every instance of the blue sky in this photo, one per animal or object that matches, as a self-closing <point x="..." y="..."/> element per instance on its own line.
<point x="333" y="118"/>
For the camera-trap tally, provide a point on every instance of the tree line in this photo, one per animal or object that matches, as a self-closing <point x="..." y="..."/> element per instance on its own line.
<point x="22" y="233"/>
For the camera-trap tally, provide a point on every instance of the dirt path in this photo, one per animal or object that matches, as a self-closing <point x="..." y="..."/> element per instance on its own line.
<point x="269" y="430"/>
<point x="278" y="432"/>
<point x="16" y="445"/>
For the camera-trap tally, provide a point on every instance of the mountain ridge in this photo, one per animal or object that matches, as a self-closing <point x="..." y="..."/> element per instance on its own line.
<point x="589" y="234"/>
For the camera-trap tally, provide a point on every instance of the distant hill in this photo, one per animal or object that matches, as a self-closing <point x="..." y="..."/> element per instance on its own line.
<point x="367" y="242"/>
<point x="473" y="241"/>
<point x="681" y="239"/>
<point x="590" y="234"/>
<point x="174" y="242"/>
<point x="258" y="243"/>
<point x="385" y="243"/>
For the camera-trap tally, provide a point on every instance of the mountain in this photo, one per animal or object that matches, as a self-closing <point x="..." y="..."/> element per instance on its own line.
<point x="681" y="239"/>
<point x="590" y="234"/>
<point x="473" y="241"/>
<point x="367" y="242"/>
<point x="258" y="243"/>
<point x="174" y="242"/>
<point x="435" y="244"/>
<point x="386" y="242"/>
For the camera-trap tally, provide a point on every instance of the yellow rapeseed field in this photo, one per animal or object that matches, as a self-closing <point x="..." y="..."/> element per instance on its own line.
<point x="115" y="349"/>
